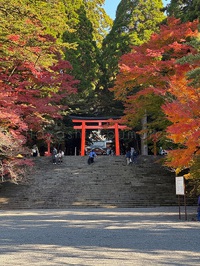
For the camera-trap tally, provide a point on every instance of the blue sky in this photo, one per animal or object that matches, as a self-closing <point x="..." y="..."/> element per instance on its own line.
<point x="111" y="6"/>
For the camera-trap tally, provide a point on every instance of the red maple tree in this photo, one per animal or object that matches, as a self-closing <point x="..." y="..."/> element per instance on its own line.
<point x="34" y="80"/>
<point x="152" y="81"/>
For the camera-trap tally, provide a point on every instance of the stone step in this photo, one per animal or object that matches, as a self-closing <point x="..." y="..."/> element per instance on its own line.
<point x="109" y="182"/>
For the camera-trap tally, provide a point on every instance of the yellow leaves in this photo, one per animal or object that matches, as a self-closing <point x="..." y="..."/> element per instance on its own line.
<point x="187" y="176"/>
<point x="178" y="170"/>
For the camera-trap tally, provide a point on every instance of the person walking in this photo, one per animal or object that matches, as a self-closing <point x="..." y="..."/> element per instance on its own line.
<point x="92" y="155"/>
<point x="128" y="157"/>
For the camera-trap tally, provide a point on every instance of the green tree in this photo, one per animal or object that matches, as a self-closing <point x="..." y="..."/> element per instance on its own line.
<point x="135" y="21"/>
<point x="84" y="61"/>
<point x="186" y="10"/>
<point x="32" y="20"/>
<point x="95" y="13"/>
<point x="101" y="22"/>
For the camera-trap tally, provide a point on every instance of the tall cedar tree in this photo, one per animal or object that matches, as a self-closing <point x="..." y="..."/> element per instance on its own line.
<point x="101" y="22"/>
<point x="85" y="65"/>
<point x="135" y="21"/>
<point x="95" y="13"/>
<point x="153" y="69"/>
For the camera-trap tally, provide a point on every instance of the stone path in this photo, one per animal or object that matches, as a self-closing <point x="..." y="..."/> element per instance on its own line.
<point x="94" y="237"/>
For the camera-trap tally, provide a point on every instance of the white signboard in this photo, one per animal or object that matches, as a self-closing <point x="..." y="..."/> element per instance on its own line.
<point x="180" y="187"/>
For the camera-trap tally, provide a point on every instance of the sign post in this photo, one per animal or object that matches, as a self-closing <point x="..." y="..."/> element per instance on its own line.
<point x="180" y="191"/>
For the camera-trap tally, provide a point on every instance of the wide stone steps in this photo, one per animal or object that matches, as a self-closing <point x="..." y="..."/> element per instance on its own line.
<point x="109" y="182"/>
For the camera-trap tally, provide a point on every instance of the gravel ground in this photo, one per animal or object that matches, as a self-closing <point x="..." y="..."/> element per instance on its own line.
<point x="83" y="237"/>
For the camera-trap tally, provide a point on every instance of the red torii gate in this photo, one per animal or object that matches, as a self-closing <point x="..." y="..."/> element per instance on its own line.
<point x="97" y="123"/>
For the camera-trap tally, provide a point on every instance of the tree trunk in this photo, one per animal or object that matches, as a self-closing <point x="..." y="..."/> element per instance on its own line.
<point x="144" y="147"/>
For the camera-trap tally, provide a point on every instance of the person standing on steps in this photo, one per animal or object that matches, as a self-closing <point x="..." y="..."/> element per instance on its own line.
<point x="54" y="155"/>
<point x="133" y="155"/>
<point x="35" y="151"/>
<point x="92" y="154"/>
<point x="108" y="151"/>
<point x="60" y="156"/>
<point x="128" y="157"/>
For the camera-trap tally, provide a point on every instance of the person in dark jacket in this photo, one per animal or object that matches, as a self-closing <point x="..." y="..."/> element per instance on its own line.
<point x="54" y="155"/>
<point x="128" y="157"/>
<point x="92" y="154"/>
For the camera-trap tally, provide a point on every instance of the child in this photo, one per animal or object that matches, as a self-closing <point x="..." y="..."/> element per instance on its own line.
<point x="60" y="156"/>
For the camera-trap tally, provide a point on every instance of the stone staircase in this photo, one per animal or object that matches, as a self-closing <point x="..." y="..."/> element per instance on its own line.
<point x="109" y="183"/>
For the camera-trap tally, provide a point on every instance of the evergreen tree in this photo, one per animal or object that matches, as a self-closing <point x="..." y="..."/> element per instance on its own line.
<point x="135" y="21"/>
<point x="84" y="62"/>
<point x="101" y="22"/>
<point x="186" y="10"/>
<point x="95" y="13"/>
<point x="88" y="24"/>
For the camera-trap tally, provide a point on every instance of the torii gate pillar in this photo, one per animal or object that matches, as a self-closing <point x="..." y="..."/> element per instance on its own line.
<point x="117" y="146"/>
<point x="83" y="135"/>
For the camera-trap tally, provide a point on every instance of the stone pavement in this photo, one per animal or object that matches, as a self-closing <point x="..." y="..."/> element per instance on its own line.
<point x="84" y="237"/>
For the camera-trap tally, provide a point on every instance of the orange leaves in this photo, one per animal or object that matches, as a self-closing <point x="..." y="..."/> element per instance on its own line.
<point x="184" y="113"/>
<point x="179" y="158"/>
<point x="151" y="78"/>
<point x="29" y="21"/>
<point x="179" y="85"/>
<point x="14" y="37"/>
<point x="176" y="46"/>
<point x="36" y="50"/>
<point x="154" y="53"/>
<point x="16" y="41"/>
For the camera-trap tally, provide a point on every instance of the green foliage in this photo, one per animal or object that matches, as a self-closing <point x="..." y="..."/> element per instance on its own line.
<point x="101" y="22"/>
<point x="193" y="59"/>
<point x="34" y="79"/>
<point x="31" y="22"/>
<point x="186" y="10"/>
<point x="84" y="62"/>
<point x="135" y="22"/>
<point x="89" y="24"/>
<point x="150" y="78"/>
